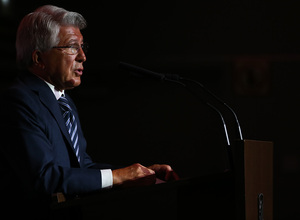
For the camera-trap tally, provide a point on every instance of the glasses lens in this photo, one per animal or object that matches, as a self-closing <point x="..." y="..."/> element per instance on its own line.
<point x="85" y="47"/>
<point x="73" y="50"/>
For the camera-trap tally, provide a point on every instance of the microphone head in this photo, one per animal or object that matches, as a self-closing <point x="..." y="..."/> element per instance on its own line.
<point x="138" y="71"/>
<point x="141" y="71"/>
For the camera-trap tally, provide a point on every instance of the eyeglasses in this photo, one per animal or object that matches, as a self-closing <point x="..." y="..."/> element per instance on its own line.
<point x="73" y="49"/>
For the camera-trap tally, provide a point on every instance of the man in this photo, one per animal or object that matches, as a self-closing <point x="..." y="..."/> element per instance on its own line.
<point x="43" y="149"/>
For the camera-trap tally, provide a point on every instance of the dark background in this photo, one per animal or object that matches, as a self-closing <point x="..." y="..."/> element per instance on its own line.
<point x="247" y="53"/>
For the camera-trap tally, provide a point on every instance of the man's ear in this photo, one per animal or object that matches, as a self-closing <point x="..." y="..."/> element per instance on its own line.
<point x="37" y="59"/>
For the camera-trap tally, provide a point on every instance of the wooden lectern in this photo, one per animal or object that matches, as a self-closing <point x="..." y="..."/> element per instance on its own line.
<point x="254" y="179"/>
<point x="244" y="193"/>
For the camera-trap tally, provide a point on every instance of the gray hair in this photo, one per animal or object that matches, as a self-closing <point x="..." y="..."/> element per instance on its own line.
<point x="39" y="31"/>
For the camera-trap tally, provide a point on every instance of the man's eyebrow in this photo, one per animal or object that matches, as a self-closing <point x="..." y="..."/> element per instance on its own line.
<point x="72" y="41"/>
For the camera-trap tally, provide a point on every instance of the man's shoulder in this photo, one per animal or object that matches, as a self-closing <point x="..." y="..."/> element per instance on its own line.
<point x="26" y="85"/>
<point x="18" y="91"/>
<point x="23" y="93"/>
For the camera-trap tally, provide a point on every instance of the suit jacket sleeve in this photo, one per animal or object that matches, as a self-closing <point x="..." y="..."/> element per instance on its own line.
<point x="36" y="152"/>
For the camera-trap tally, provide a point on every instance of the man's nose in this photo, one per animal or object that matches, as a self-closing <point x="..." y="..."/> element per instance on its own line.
<point x="81" y="56"/>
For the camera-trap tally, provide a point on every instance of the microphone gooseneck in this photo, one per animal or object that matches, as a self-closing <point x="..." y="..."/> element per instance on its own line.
<point x="220" y="101"/>
<point x="175" y="79"/>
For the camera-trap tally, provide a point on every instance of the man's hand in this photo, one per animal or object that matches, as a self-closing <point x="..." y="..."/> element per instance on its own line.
<point x="164" y="172"/>
<point x="134" y="175"/>
<point x="138" y="175"/>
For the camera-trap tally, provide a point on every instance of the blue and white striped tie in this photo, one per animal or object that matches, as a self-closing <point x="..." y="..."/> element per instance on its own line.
<point x="70" y="122"/>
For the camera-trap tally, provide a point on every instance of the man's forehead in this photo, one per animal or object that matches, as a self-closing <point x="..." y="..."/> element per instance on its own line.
<point x="70" y="33"/>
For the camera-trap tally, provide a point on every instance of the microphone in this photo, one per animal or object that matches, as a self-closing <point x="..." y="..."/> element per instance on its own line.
<point x="149" y="73"/>
<point x="172" y="78"/>
<point x="175" y="78"/>
<point x="220" y="101"/>
<point x="142" y="71"/>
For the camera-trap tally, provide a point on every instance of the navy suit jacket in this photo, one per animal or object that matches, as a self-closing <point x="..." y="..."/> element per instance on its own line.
<point x="37" y="155"/>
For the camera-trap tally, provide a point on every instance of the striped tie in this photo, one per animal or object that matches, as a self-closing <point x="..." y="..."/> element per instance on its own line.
<point x="70" y="122"/>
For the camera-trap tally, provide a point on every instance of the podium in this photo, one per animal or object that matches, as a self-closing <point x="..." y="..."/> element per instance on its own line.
<point x="254" y="179"/>
<point x="246" y="192"/>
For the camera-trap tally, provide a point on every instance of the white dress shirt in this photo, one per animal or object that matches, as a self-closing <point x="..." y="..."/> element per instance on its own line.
<point x="106" y="174"/>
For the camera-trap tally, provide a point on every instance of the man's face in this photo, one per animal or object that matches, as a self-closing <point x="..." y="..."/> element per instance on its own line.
<point x="61" y="68"/>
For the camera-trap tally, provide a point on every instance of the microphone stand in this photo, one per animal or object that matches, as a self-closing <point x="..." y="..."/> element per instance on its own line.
<point x="229" y="150"/>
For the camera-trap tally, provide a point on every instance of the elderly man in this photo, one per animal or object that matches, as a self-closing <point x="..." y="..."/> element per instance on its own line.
<point x="43" y="149"/>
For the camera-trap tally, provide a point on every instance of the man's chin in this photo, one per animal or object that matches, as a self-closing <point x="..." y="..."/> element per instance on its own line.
<point x="72" y="83"/>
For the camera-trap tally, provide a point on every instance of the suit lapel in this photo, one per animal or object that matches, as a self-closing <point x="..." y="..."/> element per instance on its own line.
<point x="49" y="101"/>
<point x="51" y="104"/>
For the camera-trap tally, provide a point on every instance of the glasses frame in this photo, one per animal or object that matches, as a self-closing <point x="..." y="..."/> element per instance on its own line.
<point x="83" y="46"/>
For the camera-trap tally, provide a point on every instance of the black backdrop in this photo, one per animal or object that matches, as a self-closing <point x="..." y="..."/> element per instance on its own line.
<point x="247" y="53"/>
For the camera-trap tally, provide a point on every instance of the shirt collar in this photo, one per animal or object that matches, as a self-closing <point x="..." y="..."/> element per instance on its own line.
<point x="56" y="93"/>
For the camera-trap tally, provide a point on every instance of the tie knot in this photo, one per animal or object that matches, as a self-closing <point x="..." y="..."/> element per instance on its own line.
<point x="64" y="104"/>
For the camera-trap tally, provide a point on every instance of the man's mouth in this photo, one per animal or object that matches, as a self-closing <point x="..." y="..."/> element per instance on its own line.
<point x="79" y="71"/>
